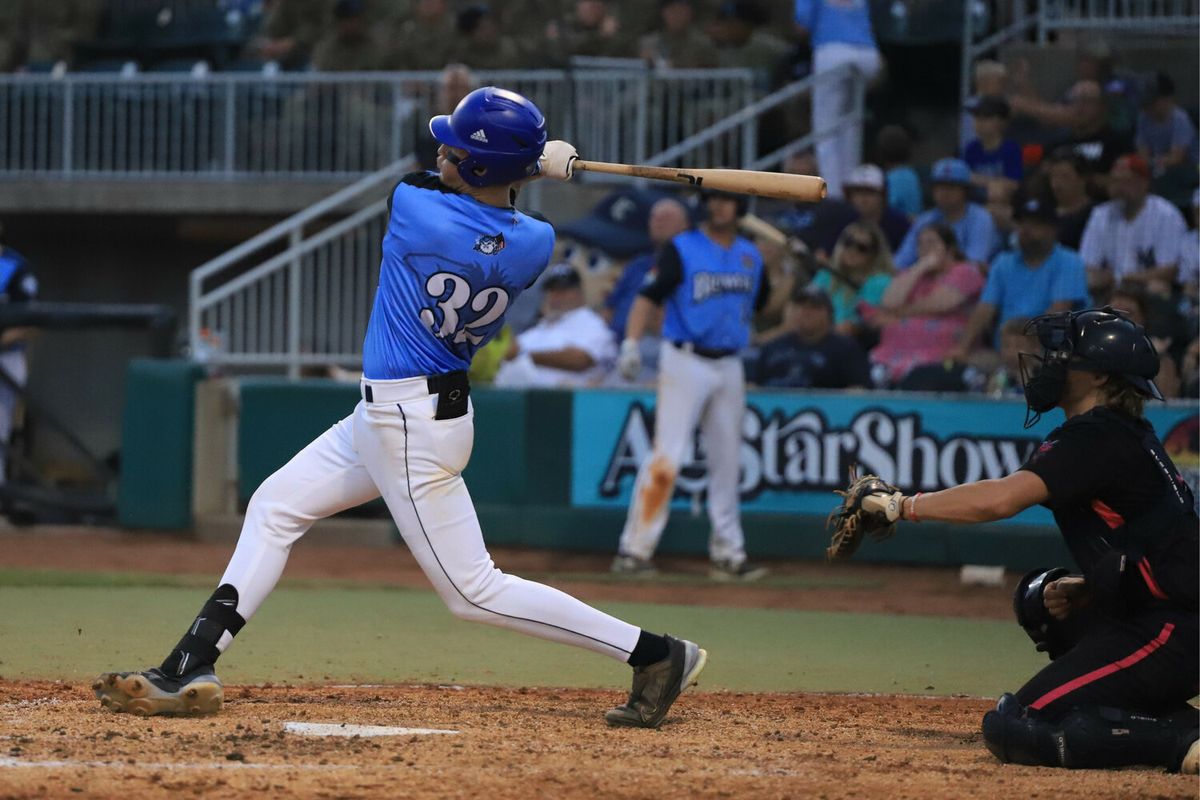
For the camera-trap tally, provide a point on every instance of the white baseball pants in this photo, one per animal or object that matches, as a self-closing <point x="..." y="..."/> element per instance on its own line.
<point x="14" y="363"/>
<point x="711" y="392"/>
<point x="841" y="152"/>
<point x="395" y="448"/>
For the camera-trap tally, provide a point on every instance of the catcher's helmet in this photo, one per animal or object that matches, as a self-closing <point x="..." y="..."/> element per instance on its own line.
<point x="503" y="133"/>
<point x="1101" y="340"/>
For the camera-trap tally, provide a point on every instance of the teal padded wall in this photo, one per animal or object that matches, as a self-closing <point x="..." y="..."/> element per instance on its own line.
<point x="155" y="485"/>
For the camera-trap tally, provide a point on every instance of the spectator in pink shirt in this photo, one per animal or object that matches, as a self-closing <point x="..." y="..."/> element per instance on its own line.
<point x="925" y="308"/>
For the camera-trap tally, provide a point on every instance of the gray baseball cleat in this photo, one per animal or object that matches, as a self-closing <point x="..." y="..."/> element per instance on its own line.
<point x="656" y="686"/>
<point x="153" y="692"/>
<point x="633" y="566"/>
<point x="735" y="572"/>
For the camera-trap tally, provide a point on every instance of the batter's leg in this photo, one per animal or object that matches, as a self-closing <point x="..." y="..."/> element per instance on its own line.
<point x="721" y="433"/>
<point x="322" y="479"/>
<point x="417" y="462"/>
<point x="685" y="384"/>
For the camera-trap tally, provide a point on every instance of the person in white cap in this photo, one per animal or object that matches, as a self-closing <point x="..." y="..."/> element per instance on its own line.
<point x="866" y="191"/>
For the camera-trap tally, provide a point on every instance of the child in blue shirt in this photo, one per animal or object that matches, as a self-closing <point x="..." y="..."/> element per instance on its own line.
<point x="995" y="161"/>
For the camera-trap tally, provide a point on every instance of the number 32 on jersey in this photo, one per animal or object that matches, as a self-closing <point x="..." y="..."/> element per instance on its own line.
<point x="452" y="294"/>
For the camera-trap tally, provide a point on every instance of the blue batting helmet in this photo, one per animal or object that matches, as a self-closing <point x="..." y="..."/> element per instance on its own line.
<point x="503" y="133"/>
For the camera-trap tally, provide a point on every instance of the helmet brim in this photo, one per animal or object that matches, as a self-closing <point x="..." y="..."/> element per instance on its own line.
<point x="439" y="126"/>
<point x="1145" y="385"/>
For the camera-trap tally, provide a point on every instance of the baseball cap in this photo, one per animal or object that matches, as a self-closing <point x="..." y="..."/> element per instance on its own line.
<point x="617" y="225"/>
<point x="865" y="176"/>
<point x="1134" y="163"/>
<point x="345" y="9"/>
<point x="989" y="106"/>
<point x="561" y="276"/>
<point x="951" y="170"/>
<point x="749" y="11"/>
<point x="811" y="296"/>
<point x="1036" y="209"/>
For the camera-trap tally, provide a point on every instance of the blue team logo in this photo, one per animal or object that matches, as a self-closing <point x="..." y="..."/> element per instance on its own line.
<point x="490" y="245"/>
<point x="747" y="261"/>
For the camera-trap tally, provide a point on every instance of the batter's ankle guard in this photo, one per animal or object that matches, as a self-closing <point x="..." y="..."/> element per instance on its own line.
<point x="198" y="647"/>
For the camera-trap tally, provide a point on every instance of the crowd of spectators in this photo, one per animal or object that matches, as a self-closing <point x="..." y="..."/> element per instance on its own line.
<point x="927" y="284"/>
<point x="373" y="35"/>
<point x="1049" y="203"/>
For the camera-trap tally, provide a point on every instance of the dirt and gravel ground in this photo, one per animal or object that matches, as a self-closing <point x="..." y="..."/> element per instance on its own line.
<point x="55" y="741"/>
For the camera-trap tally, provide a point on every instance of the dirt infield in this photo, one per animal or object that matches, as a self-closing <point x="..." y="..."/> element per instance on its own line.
<point x="800" y="585"/>
<point x="55" y="740"/>
<point x="515" y="743"/>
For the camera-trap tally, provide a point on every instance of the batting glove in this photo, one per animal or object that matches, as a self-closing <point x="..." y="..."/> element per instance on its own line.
<point x="890" y="505"/>
<point x="558" y="160"/>
<point x="629" y="362"/>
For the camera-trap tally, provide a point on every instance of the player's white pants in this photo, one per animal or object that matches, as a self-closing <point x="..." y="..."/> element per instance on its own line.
<point x="837" y="155"/>
<point x="396" y="448"/>
<point x="13" y="362"/>
<point x="692" y="389"/>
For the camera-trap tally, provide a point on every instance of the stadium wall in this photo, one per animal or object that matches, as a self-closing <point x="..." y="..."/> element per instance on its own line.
<point x="553" y="469"/>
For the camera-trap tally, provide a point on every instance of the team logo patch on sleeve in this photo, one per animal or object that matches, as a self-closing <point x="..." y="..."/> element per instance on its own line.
<point x="490" y="245"/>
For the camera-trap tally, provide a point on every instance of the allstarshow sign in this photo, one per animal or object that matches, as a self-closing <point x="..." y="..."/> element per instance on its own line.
<point x="797" y="448"/>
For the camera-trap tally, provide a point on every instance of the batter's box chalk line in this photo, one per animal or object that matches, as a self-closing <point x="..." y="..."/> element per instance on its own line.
<point x="348" y="731"/>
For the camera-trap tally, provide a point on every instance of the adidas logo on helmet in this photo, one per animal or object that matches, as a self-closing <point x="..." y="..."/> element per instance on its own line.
<point x="480" y="136"/>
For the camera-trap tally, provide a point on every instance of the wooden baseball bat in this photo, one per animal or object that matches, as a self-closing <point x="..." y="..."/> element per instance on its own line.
<point x="757" y="226"/>
<point x="797" y="188"/>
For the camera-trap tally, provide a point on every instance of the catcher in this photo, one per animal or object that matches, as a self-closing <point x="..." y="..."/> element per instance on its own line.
<point x="1123" y="635"/>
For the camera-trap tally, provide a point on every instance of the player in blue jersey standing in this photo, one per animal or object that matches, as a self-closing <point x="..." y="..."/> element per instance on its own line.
<point x="455" y="255"/>
<point x="709" y="281"/>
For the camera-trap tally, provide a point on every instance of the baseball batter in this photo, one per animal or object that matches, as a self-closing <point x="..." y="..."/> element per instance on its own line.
<point x="1122" y="636"/>
<point x="455" y="254"/>
<point x="711" y="281"/>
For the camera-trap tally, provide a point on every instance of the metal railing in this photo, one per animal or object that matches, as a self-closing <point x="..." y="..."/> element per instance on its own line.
<point x="314" y="125"/>
<point x="297" y="293"/>
<point x="1182" y="16"/>
<point x="1126" y="16"/>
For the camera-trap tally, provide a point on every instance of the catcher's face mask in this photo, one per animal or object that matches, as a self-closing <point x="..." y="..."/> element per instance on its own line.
<point x="1044" y="377"/>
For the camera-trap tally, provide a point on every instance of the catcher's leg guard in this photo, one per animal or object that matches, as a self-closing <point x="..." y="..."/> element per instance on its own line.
<point x="1092" y="737"/>
<point x="1014" y="737"/>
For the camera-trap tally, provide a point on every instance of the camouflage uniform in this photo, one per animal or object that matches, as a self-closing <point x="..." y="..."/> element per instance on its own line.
<point x="762" y="52"/>
<point x="420" y="45"/>
<point x="306" y="21"/>
<point x="687" y="50"/>
<point x="500" y="53"/>
<point x="10" y="48"/>
<point x="50" y="28"/>
<point x="336" y="53"/>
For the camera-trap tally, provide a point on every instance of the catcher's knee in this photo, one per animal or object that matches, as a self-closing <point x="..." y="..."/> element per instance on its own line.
<point x="1015" y="737"/>
<point x="1049" y="635"/>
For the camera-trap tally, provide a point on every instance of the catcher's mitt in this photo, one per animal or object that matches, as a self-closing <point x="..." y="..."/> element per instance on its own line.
<point x="854" y="518"/>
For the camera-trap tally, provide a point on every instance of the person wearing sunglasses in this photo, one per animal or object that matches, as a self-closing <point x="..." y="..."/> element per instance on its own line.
<point x="857" y="276"/>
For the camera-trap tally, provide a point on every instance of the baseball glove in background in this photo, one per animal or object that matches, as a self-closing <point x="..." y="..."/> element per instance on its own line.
<point x="870" y="507"/>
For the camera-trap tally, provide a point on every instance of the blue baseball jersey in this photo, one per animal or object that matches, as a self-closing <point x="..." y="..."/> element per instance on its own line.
<point x="709" y="292"/>
<point x="451" y="267"/>
<point x="836" y="21"/>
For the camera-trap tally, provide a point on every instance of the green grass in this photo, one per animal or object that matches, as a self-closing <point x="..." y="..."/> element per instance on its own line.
<point x="70" y="626"/>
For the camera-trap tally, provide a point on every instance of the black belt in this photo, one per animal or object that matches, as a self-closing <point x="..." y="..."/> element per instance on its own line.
<point x="703" y="352"/>
<point x="452" y="388"/>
